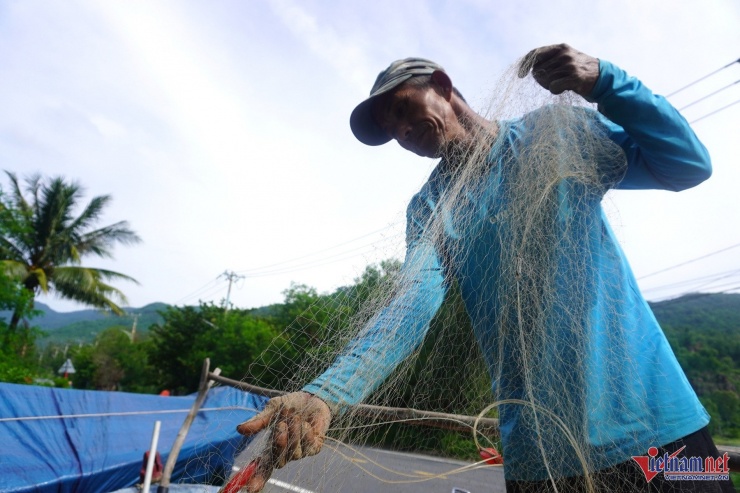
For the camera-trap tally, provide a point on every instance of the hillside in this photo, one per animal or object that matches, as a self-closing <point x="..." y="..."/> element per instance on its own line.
<point x="701" y="311"/>
<point x="704" y="332"/>
<point x="84" y="325"/>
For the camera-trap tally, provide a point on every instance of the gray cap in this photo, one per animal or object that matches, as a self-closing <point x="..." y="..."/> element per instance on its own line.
<point x="361" y="121"/>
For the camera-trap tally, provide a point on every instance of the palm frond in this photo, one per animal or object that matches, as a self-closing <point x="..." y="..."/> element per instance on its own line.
<point x="86" y="285"/>
<point x="9" y="250"/>
<point x="106" y="274"/>
<point x="54" y="213"/>
<point x="18" y="198"/>
<point x="100" y="241"/>
<point x="91" y="214"/>
<point x="14" y="269"/>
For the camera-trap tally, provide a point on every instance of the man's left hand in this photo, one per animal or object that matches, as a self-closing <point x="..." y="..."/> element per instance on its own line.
<point x="560" y="68"/>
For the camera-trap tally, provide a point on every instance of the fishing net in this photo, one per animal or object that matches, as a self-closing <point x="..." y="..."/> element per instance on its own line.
<point x="501" y="256"/>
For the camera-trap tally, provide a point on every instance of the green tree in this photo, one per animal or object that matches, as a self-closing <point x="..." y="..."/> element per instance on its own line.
<point x="114" y="362"/>
<point x="236" y="341"/>
<point x="17" y="350"/>
<point x="43" y="243"/>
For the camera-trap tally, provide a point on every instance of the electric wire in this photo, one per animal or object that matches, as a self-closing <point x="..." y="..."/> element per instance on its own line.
<point x="204" y="287"/>
<point x="689" y="261"/>
<point x="715" y="111"/>
<point x="688" y="282"/>
<point x="208" y="293"/>
<point x="362" y="250"/>
<point x="310" y="266"/>
<point x="702" y="78"/>
<point x="208" y="289"/>
<point x="693" y="294"/>
<point x="248" y="271"/>
<point x="709" y="95"/>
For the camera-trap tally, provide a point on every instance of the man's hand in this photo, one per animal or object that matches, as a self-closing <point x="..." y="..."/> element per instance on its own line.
<point x="298" y="424"/>
<point x="560" y="68"/>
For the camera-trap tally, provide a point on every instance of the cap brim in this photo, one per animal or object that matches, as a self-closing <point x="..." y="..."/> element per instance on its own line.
<point x="363" y="124"/>
<point x="361" y="120"/>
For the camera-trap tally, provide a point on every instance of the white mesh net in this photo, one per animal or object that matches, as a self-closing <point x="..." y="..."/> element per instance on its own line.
<point x="506" y="232"/>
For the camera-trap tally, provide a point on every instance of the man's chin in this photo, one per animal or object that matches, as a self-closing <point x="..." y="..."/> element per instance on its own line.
<point x="432" y="155"/>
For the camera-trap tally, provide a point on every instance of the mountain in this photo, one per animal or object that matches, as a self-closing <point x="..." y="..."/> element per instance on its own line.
<point x="718" y="312"/>
<point x="84" y="325"/>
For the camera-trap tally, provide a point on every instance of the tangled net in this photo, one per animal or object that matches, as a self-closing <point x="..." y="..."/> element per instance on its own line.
<point x="513" y="337"/>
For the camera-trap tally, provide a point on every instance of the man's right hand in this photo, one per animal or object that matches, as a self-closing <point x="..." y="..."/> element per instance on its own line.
<point x="298" y="423"/>
<point x="560" y="68"/>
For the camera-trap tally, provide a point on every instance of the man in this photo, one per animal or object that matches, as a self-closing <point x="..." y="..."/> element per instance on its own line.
<point x="586" y="375"/>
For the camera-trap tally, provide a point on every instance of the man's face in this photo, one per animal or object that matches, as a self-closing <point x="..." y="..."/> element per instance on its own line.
<point x="420" y="119"/>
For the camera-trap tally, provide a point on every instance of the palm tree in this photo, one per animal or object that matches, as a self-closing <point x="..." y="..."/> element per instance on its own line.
<point x="42" y="243"/>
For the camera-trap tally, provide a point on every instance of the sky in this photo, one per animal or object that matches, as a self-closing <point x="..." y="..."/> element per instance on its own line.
<point x="221" y="129"/>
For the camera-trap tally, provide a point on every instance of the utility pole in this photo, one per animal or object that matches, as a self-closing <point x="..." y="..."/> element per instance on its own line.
<point x="133" y="328"/>
<point x="231" y="277"/>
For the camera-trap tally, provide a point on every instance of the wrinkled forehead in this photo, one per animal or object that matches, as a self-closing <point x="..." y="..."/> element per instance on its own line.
<point x="382" y="104"/>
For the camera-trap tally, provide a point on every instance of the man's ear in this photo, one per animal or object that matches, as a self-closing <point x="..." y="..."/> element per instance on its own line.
<point x="442" y="80"/>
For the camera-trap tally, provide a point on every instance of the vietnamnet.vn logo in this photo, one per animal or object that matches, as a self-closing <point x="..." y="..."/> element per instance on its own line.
<point x="683" y="468"/>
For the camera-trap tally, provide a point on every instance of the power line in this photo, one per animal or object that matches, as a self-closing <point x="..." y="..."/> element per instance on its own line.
<point x="715" y="111"/>
<point x="205" y="287"/>
<point x="313" y="263"/>
<point x="703" y="281"/>
<point x="312" y="254"/>
<point x="688" y="261"/>
<point x="694" y="294"/>
<point x="702" y="78"/>
<point x="210" y="288"/>
<point x="208" y="293"/>
<point x="709" y="95"/>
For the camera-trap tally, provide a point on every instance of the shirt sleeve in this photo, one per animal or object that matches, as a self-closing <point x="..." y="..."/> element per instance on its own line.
<point x="661" y="148"/>
<point x="395" y="332"/>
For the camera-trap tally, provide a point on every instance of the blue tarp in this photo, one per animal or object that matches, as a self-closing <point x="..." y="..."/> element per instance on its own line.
<point x="102" y="453"/>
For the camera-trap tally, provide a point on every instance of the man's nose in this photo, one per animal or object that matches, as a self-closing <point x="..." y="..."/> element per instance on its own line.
<point x="403" y="131"/>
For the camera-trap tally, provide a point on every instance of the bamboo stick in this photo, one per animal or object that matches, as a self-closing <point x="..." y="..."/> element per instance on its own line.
<point x="205" y="384"/>
<point x="453" y="422"/>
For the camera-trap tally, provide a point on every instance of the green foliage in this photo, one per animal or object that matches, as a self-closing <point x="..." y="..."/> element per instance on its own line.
<point x="17" y="347"/>
<point x="276" y="344"/>
<point x="42" y="242"/>
<point x="704" y="332"/>
<point x="232" y="339"/>
<point x="15" y="372"/>
<point x="113" y="362"/>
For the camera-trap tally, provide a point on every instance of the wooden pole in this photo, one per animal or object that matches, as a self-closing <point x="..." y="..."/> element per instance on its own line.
<point x="205" y="385"/>
<point x="453" y="422"/>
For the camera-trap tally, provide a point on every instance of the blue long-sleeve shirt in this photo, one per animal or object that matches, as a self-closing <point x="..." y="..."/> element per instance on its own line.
<point x="625" y="390"/>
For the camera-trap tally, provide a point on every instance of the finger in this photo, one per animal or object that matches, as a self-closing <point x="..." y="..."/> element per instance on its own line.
<point x="556" y="81"/>
<point x="260" y="477"/>
<point x="295" y="434"/>
<point x="540" y="58"/>
<point x="315" y="434"/>
<point x="526" y="64"/>
<point x="257" y="423"/>
<point x="559" y="86"/>
<point x="312" y="441"/>
<point x="280" y="444"/>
